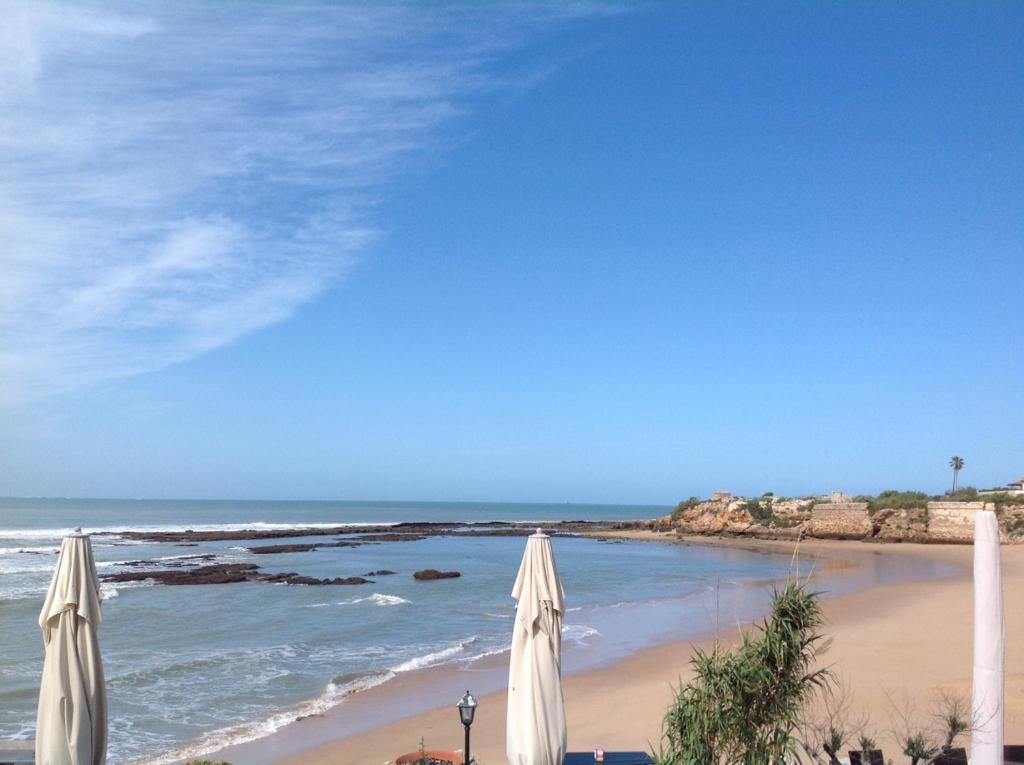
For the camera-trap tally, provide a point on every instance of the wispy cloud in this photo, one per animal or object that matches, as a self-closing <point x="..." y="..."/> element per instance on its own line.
<point x="175" y="176"/>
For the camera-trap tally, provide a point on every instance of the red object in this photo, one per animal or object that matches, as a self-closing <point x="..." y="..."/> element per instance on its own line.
<point x="441" y="755"/>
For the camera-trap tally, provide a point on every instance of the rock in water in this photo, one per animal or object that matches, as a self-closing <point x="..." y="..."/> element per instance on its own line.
<point x="429" y="574"/>
<point x="293" y="578"/>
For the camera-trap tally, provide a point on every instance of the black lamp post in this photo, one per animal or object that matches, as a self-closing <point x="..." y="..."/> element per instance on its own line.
<point x="467" y="708"/>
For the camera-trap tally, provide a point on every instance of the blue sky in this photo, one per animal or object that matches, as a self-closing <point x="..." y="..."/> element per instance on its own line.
<point x="532" y="252"/>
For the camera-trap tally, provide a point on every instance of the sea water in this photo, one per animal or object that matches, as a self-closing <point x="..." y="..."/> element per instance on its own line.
<point x="220" y="664"/>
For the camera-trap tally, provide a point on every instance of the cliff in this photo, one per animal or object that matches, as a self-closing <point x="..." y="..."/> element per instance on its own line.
<point x="774" y="517"/>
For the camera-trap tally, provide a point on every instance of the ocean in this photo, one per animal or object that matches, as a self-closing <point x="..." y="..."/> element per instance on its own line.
<point x="193" y="668"/>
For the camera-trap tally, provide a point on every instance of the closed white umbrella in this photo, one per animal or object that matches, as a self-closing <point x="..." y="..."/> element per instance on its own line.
<point x="71" y="726"/>
<point x="535" y="732"/>
<point x="989" y="639"/>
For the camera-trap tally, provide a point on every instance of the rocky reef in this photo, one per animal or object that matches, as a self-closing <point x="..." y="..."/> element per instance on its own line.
<point x="353" y="535"/>
<point x="201" y="569"/>
<point x="225" y="573"/>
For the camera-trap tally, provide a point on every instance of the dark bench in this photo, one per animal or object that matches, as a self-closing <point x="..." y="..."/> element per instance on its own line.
<point x="875" y="757"/>
<point x="955" y="756"/>
<point x="610" y="758"/>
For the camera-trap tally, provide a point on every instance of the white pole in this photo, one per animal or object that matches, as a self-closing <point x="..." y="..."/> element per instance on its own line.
<point x="989" y="640"/>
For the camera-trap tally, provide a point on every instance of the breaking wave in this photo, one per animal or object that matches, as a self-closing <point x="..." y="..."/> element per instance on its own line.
<point x="377" y="599"/>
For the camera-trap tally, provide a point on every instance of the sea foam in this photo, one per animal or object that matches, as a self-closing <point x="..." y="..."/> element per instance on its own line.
<point x="377" y="599"/>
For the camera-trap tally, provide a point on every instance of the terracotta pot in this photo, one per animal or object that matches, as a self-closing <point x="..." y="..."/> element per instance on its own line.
<point x="442" y="755"/>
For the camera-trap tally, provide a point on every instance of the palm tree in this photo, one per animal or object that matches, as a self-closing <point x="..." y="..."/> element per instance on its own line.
<point x="957" y="463"/>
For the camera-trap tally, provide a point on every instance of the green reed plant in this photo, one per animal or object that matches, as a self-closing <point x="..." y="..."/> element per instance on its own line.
<point x="744" y="706"/>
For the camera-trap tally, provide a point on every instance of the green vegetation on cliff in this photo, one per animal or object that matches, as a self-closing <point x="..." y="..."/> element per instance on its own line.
<point x="894" y="500"/>
<point x="1003" y="499"/>
<point x="906" y="500"/>
<point x="686" y="504"/>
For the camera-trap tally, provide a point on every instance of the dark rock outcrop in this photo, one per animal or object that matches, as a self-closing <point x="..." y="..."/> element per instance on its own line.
<point x="298" y="547"/>
<point x="382" y="572"/>
<point x="226" y="573"/>
<point x="293" y="578"/>
<point x="185" y="560"/>
<point x="391" y="537"/>
<point x="274" y="549"/>
<point x="429" y="574"/>
<point x="518" y="532"/>
<point x="219" y="573"/>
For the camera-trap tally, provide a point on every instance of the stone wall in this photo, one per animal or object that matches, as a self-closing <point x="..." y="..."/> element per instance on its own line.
<point x="952" y="521"/>
<point x="840" y="520"/>
<point x="900" y="525"/>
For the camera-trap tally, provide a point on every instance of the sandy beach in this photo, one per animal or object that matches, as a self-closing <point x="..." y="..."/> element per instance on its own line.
<point x="894" y="643"/>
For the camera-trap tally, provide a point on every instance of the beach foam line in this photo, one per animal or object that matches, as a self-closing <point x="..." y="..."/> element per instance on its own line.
<point x="578" y="633"/>
<point x="29" y="550"/>
<point x="23" y="591"/>
<point x="59" y="532"/>
<point x="434" y="658"/>
<point x="11" y="568"/>
<point x="333" y="694"/>
<point x="489" y="652"/>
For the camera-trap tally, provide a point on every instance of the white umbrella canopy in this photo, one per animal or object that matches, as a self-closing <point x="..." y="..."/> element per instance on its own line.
<point x="71" y="726"/>
<point x="989" y="640"/>
<point x="535" y="730"/>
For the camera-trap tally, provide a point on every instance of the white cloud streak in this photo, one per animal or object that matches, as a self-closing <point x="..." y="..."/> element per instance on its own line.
<point x="174" y="176"/>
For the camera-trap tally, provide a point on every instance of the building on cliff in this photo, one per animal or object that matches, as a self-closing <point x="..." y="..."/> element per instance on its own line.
<point x="1013" y="487"/>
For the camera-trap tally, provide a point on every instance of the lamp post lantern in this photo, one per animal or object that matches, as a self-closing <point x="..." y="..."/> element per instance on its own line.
<point x="467" y="709"/>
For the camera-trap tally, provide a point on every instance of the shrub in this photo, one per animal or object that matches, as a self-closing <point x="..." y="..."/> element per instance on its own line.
<point x="964" y="494"/>
<point x="922" y="743"/>
<point x="761" y="512"/>
<point x="896" y="500"/>
<point x="808" y="506"/>
<point x="745" y="705"/>
<point x="1004" y="498"/>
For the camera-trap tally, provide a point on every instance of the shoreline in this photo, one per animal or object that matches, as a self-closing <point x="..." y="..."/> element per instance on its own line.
<point x="646" y="674"/>
<point x="403" y="694"/>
